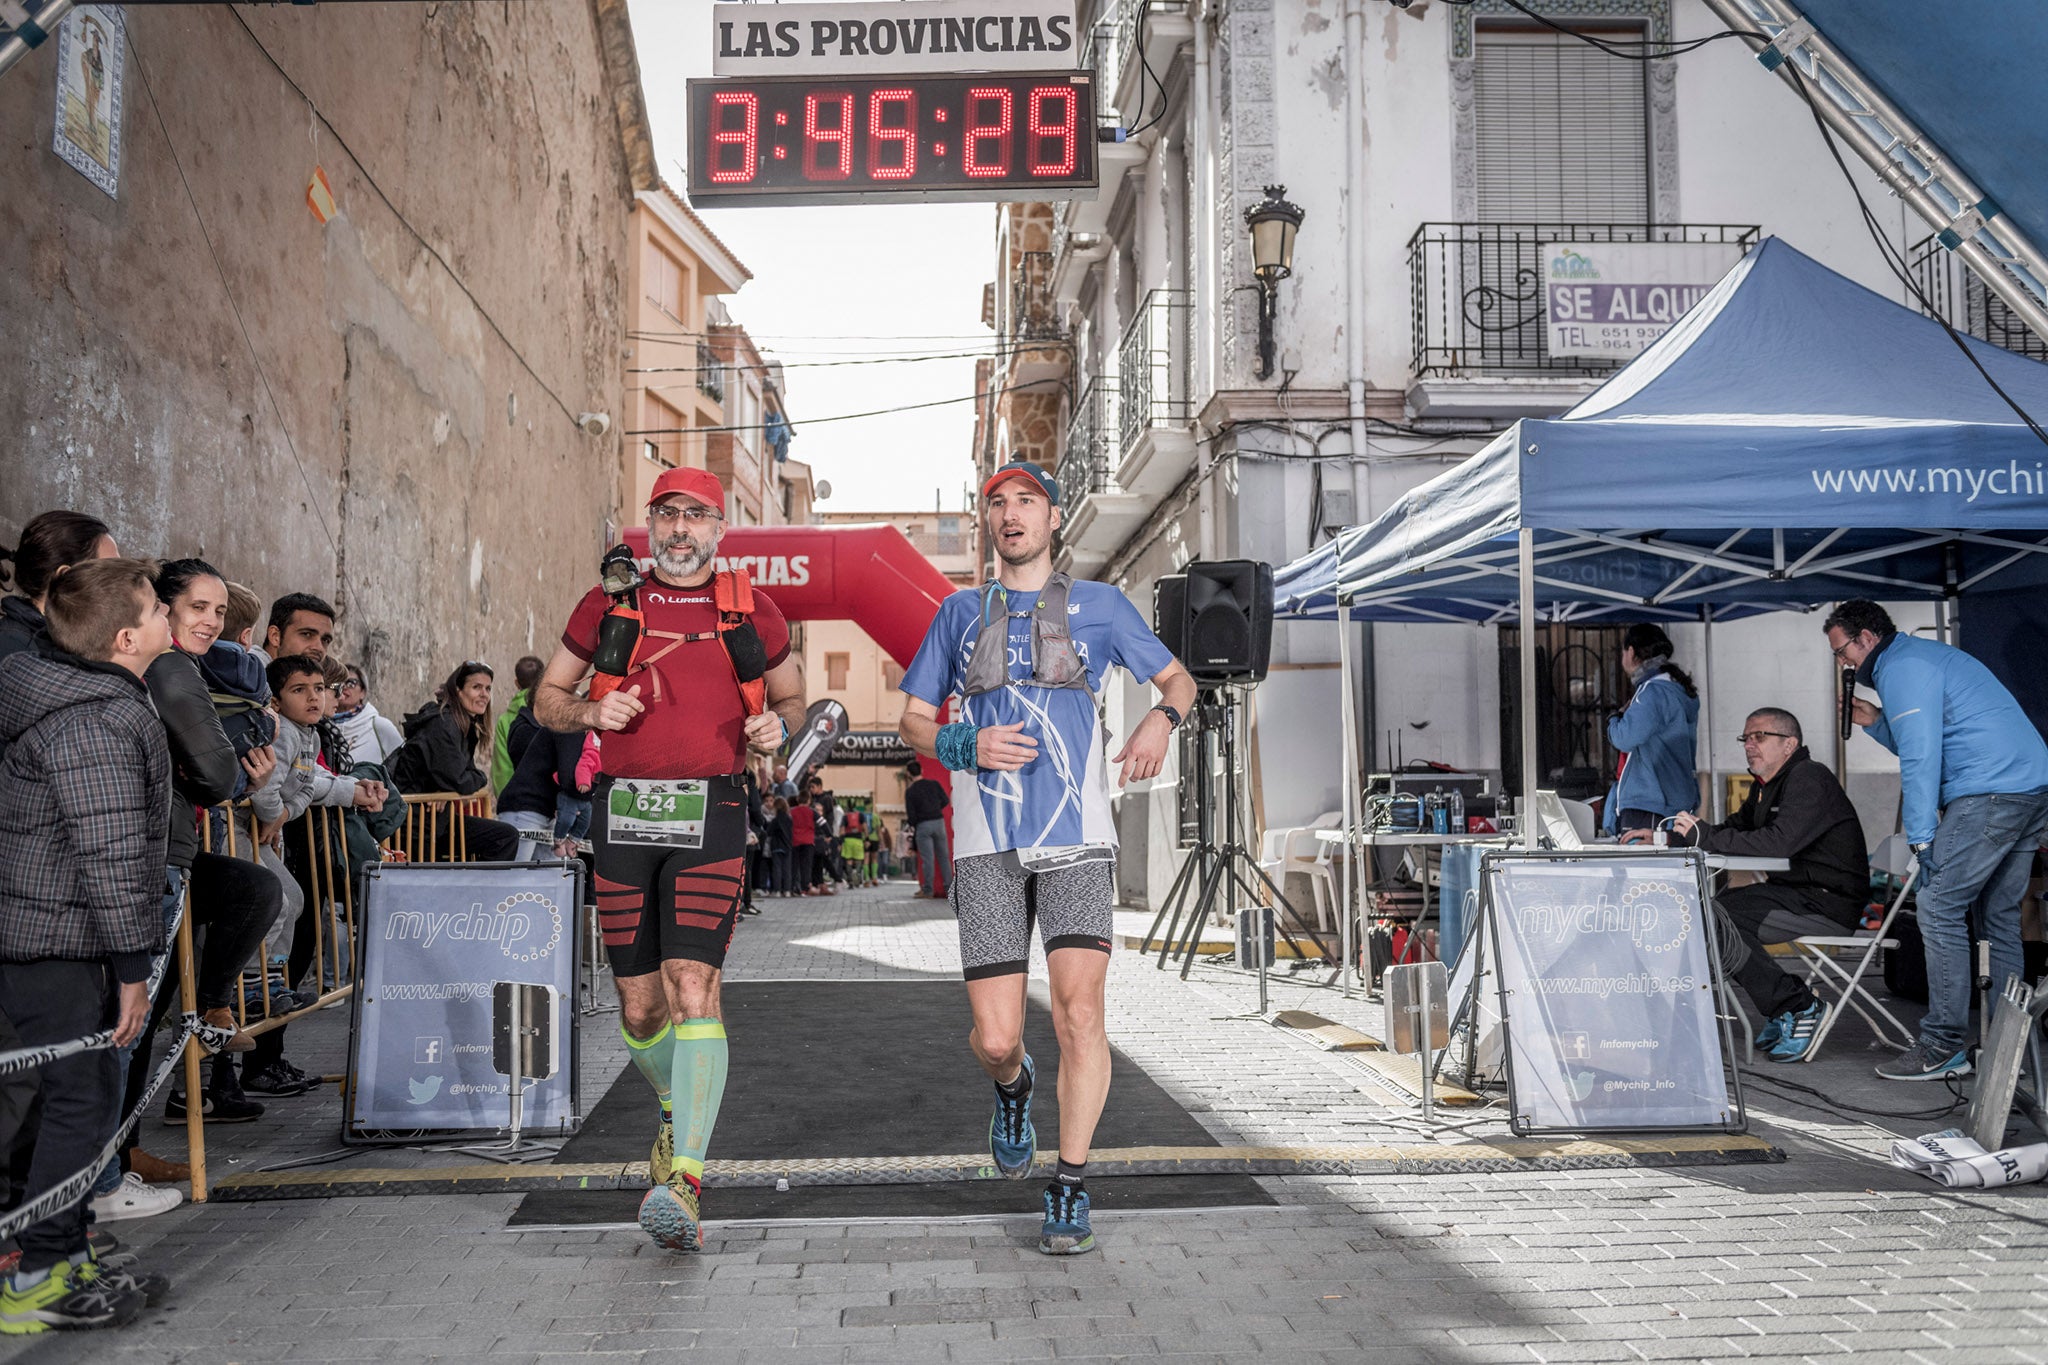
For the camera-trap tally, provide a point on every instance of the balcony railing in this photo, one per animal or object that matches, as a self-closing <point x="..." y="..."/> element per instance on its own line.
<point x="1152" y="366"/>
<point x="710" y="373"/>
<point x="1959" y="295"/>
<point x="1477" y="291"/>
<point x="1089" y="463"/>
<point x="1033" y="314"/>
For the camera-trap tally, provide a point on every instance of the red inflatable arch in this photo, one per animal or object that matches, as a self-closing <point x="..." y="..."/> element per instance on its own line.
<point x="869" y="575"/>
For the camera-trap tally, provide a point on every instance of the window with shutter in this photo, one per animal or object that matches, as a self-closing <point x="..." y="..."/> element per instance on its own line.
<point x="1562" y="132"/>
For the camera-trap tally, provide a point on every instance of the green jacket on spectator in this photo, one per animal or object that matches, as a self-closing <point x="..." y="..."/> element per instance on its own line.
<point x="501" y="756"/>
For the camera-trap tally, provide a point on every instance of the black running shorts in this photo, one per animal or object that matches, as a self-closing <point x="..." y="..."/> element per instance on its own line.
<point x="659" y="901"/>
<point x="995" y="900"/>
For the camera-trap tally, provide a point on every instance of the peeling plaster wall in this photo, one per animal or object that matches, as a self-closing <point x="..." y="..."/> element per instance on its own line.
<point x="412" y="467"/>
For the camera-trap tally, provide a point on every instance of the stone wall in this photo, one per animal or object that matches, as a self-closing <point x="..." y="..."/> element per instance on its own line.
<point x="379" y="409"/>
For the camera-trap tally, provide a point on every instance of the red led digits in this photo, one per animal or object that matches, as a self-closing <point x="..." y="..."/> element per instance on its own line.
<point x="744" y="138"/>
<point x="1043" y="132"/>
<point x="828" y="150"/>
<point x="982" y="131"/>
<point x="884" y="161"/>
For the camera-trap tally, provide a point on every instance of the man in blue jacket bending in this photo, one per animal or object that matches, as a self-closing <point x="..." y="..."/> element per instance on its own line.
<point x="1974" y="775"/>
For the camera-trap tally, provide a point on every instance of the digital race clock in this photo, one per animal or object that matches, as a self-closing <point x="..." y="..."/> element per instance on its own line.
<point x="787" y="139"/>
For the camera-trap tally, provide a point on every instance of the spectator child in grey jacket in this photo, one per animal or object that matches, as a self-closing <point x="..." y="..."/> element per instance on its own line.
<point x="299" y="782"/>
<point x="84" y="809"/>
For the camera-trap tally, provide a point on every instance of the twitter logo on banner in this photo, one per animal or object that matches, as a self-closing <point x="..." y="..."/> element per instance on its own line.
<point x="423" y="1091"/>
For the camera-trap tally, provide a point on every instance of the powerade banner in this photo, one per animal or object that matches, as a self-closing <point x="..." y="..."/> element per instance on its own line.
<point x="436" y="938"/>
<point x="1610" y="300"/>
<point x="1607" y="987"/>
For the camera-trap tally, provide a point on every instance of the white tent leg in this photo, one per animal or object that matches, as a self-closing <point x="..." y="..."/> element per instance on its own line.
<point x="1352" y="795"/>
<point x="1530" y="779"/>
<point x="1707" y="706"/>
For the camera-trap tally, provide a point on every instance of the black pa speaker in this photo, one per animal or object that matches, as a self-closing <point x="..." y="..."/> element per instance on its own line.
<point x="1170" y="613"/>
<point x="1228" y="609"/>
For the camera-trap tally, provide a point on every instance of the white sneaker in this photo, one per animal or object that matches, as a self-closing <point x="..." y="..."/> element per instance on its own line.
<point x="135" y="1200"/>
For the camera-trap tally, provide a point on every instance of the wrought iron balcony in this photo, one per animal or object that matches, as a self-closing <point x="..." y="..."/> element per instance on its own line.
<point x="1152" y="366"/>
<point x="1034" y="316"/>
<point x="1477" y="291"/>
<point x="710" y="373"/>
<point x="1088" y="464"/>
<point x="1959" y="296"/>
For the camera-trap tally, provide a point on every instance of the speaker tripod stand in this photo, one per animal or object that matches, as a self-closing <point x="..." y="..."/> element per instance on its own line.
<point x="1211" y="867"/>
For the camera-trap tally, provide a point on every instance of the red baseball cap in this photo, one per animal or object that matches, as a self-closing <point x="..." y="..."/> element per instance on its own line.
<point x="700" y="484"/>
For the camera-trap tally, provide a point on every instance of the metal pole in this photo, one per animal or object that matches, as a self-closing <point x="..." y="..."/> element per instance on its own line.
<point x="1345" y="909"/>
<point x="1530" y="780"/>
<point x="16" y="47"/>
<point x="1714" y="802"/>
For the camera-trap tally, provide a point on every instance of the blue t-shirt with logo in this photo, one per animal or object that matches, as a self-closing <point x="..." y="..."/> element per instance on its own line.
<point x="1061" y="798"/>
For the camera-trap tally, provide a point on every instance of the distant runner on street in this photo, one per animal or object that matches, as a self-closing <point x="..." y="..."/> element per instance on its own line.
<point x="1028" y="655"/>
<point x="690" y="672"/>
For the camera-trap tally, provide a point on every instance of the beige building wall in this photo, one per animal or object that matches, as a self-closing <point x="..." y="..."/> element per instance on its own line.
<point x="842" y="662"/>
<point x="380" y="407"/>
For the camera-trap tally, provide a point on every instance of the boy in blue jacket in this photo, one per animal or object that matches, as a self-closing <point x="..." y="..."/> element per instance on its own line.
<point x="1973" y="774"/>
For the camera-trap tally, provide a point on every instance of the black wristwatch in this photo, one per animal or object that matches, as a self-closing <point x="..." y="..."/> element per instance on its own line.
<point x="1172" y="716"/>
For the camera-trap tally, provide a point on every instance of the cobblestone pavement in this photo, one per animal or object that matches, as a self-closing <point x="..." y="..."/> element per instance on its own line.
<point x="1827" y="1254"/>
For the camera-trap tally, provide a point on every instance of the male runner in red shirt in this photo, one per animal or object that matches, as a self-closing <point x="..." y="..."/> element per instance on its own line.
<point x="669" y="811"/>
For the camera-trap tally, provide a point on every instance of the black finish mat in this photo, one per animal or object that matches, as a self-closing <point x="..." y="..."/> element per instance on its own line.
<point x="876" y="1069"/>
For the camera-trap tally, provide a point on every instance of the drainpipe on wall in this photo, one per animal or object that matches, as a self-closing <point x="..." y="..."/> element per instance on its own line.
<point x="1354" y="344"/>
<point x="1202" y="208"/>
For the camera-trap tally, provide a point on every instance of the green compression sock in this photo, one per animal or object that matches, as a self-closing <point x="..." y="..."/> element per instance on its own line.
<point x="699" y="1085"/>
<point x="656" y="1059"/>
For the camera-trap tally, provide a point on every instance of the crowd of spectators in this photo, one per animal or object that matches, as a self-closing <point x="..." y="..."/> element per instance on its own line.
<point x="156" y="753"/>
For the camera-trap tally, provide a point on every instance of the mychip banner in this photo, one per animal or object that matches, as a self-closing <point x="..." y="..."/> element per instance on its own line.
<point x="1607" y="974"/>
<point x="1610" y="300"/>
<point x="436" y="940"/>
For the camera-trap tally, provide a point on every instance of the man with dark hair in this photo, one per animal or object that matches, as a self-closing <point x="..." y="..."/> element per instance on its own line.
<point x="1973" y="777"/>
<point x="300" y="623"/>
<point x="525" y="675"/>
<point x="1795" y="810"/>
<point x="924" y="811"/>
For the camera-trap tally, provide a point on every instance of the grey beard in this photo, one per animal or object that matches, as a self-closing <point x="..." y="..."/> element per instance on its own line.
<point x="682" y="560"/>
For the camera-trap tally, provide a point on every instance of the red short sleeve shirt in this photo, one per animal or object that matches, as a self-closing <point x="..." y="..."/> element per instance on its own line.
<point x="695" y="721"/>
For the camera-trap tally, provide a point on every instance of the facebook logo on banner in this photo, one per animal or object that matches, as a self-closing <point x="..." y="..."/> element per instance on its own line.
<point x="426" y="1051"/>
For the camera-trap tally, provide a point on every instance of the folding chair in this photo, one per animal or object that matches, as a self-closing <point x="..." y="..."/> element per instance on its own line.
<point x="1895" y="857"/>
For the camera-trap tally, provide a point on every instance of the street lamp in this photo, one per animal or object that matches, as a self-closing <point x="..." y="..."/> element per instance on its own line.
<point x="1273" y="225"/>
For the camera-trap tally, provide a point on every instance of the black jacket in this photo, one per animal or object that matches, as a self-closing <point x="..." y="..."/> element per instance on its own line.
<point x="83" y="795"/>
<point x="203" y="764"/>
<point x="1804" y="815"/>
<point x="924" y="800"/>
<point x="20" y="624"/>
<point x="436" y="756"/>
<point x="543" y="764"/>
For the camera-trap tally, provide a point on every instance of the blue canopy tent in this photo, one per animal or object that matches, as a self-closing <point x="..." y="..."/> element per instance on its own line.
<point x="1793" y="440"/>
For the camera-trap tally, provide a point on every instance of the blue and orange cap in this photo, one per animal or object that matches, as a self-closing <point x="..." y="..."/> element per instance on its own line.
<point x="1025" y="469"/>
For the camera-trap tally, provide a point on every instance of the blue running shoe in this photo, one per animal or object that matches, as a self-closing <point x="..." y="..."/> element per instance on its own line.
<point x="669" y="1215"/>
<point x="1798" y="1033"/>
<point x="1772" y="1033"/>
<point x="1012" y="1141"/>
<point x="1066" y="1231"/>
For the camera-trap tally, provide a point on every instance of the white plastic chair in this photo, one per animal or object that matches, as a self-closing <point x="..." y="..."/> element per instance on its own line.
<point x="1896" y="857"/>
<point x="1312" y="858"/>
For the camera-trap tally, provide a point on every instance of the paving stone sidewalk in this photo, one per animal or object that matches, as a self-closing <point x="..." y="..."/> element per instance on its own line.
<point x="1827" y="1254"/>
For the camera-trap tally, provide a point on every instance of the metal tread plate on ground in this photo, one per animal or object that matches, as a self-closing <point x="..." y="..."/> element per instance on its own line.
<point x="1498" y="1154"/>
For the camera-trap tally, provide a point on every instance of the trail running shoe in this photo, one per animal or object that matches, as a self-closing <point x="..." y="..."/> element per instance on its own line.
<point x="1918" y="1064"/>
<point x="1066" y="1231"/>
<point x="661" y="1161"/>
<point x="1798" y="1034"/>
<point x="1012" y="1142"/>
<point x="669" y="1215"/>
<point x="125" y="1276"/>
<point x="65" y="1301"/>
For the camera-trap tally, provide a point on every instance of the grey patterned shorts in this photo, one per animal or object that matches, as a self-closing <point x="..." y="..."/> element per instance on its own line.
<point x="995" y="901"/>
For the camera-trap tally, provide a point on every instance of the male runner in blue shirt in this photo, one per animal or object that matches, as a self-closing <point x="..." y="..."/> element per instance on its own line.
<point x="1027" y="655"/>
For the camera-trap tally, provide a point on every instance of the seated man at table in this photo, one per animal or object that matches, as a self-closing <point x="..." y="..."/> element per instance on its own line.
<point x="1799" y="812"/>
